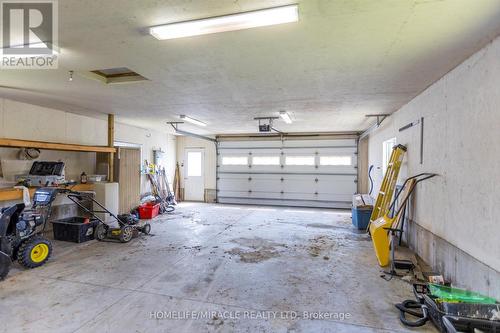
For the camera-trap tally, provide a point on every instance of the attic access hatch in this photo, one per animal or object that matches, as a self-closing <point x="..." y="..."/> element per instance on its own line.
<point x="117" y="75"/>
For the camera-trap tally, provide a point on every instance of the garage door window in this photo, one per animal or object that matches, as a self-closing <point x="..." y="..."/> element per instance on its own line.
<point x="266" y="160"/>
<point x="335" y="160"/>
<point x="234" y="160"/>
<point x="299" y="160"/>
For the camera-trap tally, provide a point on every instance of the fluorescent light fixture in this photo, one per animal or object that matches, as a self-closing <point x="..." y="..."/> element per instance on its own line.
<point x="286" y="117"/>
<point x="193" y="121"/>
<point x="240" y="21"/>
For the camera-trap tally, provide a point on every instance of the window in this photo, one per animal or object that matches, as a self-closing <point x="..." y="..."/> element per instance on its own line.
<point x="234" y="160"/>
<point x="335" y="160"/>
<point x="386" y="152"/>
<point x="299" y="160"/>
<point x="266" y="160"/>
<point x="194" y="164"/>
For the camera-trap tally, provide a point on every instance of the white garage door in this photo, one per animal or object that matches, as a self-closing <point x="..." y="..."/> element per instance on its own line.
<point x="306" y="173"/>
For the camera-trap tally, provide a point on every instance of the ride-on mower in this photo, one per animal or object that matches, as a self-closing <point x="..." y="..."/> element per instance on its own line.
<point x="21" y="232"/>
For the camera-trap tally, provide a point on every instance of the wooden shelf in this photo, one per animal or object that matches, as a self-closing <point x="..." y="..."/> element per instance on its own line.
<point x="55" y="146"/>
<point x="10" y="194"/>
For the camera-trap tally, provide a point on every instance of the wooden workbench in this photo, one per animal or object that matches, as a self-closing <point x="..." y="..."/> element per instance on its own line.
<point x="9" y="194"/>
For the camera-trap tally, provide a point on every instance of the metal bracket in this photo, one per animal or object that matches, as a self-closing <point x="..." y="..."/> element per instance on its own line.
<point x="175" y="126"/>
<point x="380" y="118"/>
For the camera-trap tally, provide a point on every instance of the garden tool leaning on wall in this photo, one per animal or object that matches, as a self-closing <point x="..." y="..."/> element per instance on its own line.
<point x="384" y="197"/>
<point x="384" y="227"/>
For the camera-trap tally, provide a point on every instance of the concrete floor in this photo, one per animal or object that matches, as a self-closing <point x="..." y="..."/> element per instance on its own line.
<point x="246" y="264"/>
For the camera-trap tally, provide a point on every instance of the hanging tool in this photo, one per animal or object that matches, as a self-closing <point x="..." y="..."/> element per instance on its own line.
<point x="177" y="182"/>
<point x="160" y="188"/>
<point x="370" y="178"/>
<point x="414" y="123"/>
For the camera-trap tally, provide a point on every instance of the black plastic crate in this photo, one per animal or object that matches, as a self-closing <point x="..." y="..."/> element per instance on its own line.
<point x="74" y="229"/>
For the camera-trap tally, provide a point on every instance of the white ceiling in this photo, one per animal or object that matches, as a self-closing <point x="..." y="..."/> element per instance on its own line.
<point x="344" y="59"/>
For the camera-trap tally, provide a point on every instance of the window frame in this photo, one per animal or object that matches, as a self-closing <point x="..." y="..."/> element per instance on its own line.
<point x="337" y="164"/>
<point x="277" y="157"/>
<point x="234" y="164"/>
<point x="313" y="157"/>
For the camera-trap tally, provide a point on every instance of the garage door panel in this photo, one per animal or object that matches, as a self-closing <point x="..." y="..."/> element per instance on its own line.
<point x="337" y="184"/>
<point x="265" y="185"/>
<point x="310" y="173"/>
<point x="233" y="194"/>
<point x="265" y="169"/>
<point x="266" y="195"/>
<point x="306" y="185"/>
<point x="234" y="168"/>
<point x="286" y="202"/>
<point x="233" y="184"/>
<point x="334" y="197"/>
<point x="342" y="170"/>
<point x="318" y="143"/>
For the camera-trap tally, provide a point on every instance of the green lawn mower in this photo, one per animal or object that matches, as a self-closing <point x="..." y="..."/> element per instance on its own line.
<point x="121" y="227"/>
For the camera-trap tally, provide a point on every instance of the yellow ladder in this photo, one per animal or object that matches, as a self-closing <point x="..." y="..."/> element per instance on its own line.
<point x="384" y="197"/>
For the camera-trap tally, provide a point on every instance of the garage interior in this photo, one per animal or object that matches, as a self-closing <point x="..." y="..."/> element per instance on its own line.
<point x="250" y="166"/>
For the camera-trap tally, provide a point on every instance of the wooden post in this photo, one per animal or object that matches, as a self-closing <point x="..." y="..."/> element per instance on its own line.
<point x="111" y="143"/>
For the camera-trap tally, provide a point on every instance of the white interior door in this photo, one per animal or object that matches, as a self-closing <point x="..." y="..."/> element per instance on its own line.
<point x="194" y="180"/>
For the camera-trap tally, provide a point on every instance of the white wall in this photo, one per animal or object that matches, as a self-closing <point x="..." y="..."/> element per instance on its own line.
<point x="184" y="142"/>
<point x="461" y="136"/>
<point x="31" y="122"/>
<point x="149" y="141"/>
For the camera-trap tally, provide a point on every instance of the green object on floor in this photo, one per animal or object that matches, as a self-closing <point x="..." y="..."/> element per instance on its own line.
<point x="449" y="294"/>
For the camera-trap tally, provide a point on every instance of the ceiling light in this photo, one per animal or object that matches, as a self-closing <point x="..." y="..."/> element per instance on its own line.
<point x="286" y="117"/>
<point x="193" y="121"/>
<point x="246" y="20"/>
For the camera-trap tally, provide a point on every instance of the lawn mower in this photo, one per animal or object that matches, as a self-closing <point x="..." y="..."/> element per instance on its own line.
<point x="21" y="231"/>
<point x="122" y="227"/>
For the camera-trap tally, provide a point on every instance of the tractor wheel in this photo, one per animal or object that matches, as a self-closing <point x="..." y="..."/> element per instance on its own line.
<point x="127" y="232"/>
<point x="101" y="232"/>
<point x="34" y="252"/>
<point x="146" y="229"/>
<point x="5" y="263"/>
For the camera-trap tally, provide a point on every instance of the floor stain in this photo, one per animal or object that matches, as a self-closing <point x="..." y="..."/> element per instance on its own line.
<point x="320" y="244"/>
<point x="254" y="256"/>
<point x="258" y="249"/>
